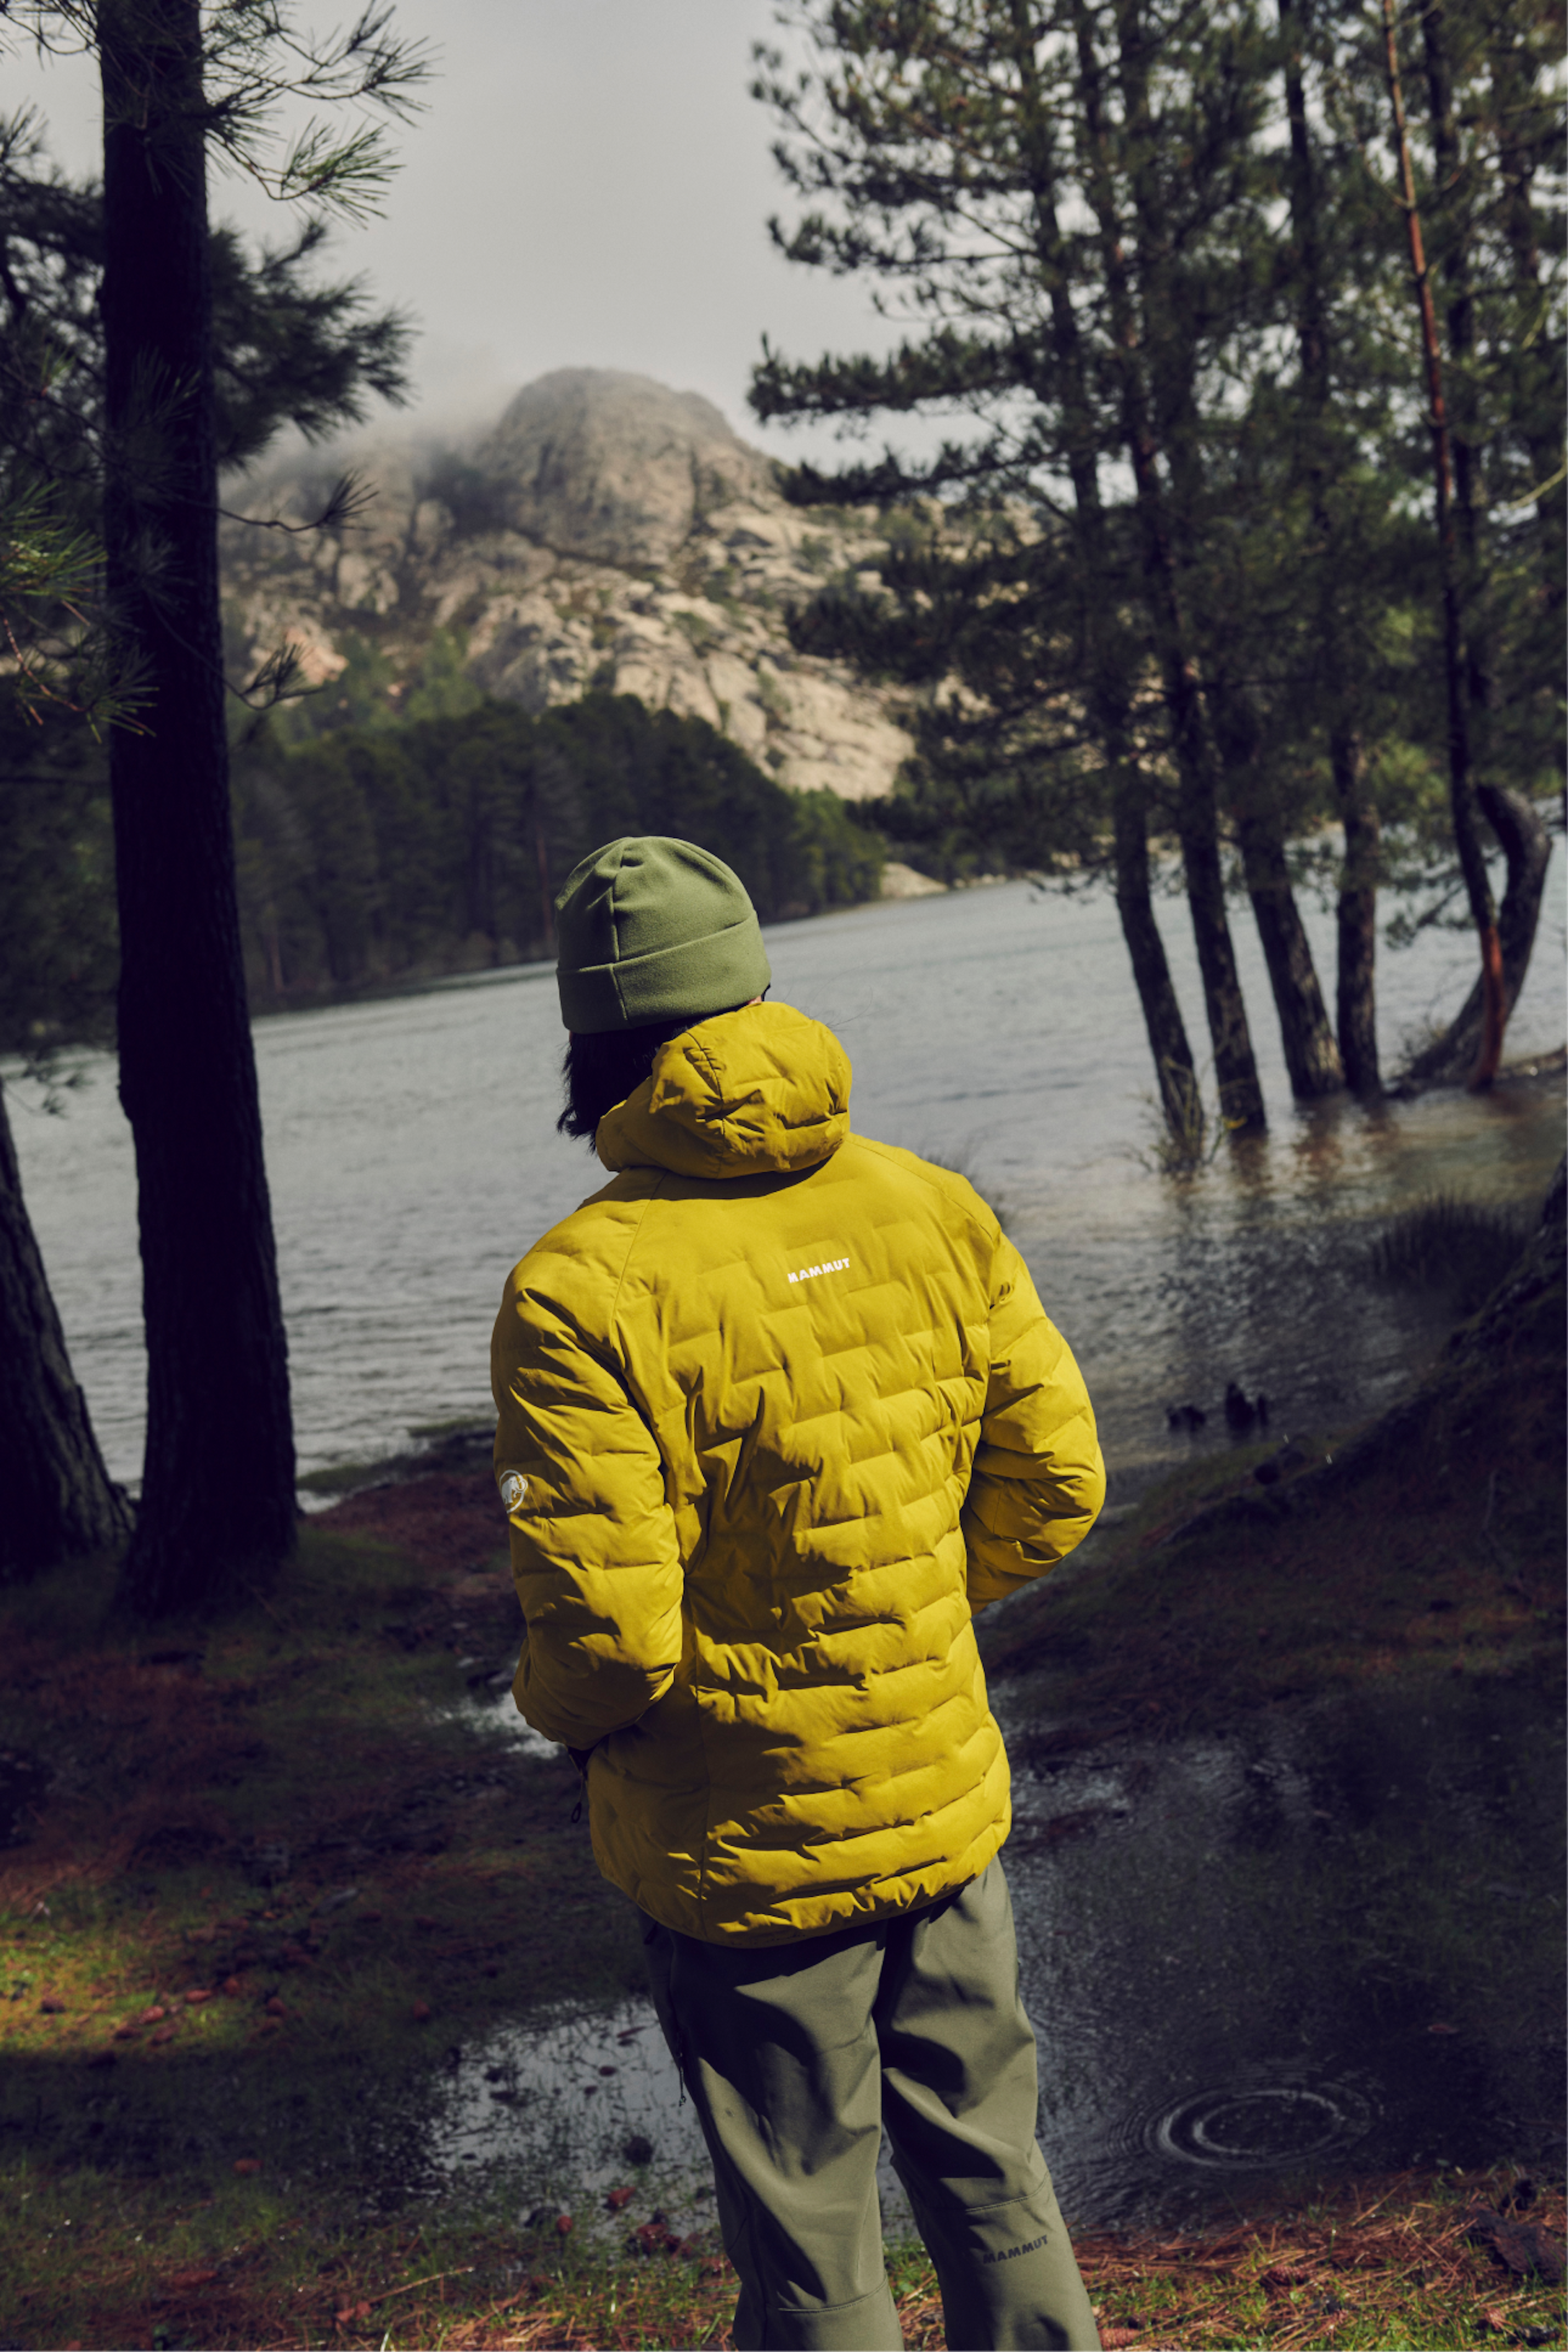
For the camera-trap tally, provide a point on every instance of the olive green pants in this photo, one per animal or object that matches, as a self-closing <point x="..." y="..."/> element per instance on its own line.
<point x="796" y="2055"/>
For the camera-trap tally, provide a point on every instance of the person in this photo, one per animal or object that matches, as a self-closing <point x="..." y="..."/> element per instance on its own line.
<point x="779" y="1411"/>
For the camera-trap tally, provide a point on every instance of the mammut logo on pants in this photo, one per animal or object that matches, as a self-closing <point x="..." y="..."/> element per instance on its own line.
<point x="1011" y="2253"/>
<point x="828" y="1266"/>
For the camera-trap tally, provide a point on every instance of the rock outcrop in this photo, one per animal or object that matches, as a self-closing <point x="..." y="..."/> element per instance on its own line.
<point x="607" y="532"/>
<point x="615" y="468"/>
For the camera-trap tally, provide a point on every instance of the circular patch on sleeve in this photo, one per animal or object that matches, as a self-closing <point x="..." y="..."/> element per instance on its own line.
<point x="512" y="1490"/>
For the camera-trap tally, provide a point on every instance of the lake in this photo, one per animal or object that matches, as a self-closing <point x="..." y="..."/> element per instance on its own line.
<point x="413" y="1158"/>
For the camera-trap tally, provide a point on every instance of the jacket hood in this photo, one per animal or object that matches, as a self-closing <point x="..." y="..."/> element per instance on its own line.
<point x="760" y="1092"/>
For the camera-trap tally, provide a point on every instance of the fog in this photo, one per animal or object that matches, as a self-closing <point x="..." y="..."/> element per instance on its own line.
<point x="588" y="185"/>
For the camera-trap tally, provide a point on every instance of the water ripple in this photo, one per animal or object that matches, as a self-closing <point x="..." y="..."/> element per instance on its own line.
<point x="1260" y="2127"/>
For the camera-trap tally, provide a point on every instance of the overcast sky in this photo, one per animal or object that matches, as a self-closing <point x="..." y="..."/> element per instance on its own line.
<point x="590" y="186"/>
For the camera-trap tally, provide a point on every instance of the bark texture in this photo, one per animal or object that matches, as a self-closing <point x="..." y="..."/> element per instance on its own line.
<point x="1464" y="796"/>
<point x="58" y="1499"/>
<point x="1355" y="994"/>
<point x="219" y="1487"/>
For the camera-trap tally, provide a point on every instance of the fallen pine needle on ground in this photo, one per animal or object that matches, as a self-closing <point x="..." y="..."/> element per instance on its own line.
<point x="1409" y="2260"/>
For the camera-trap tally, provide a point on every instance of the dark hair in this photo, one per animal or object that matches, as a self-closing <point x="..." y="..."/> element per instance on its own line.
<point x="603" y="1069"/>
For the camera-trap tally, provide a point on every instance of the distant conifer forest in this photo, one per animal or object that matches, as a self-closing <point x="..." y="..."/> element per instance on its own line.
<point x="379" y="854"/>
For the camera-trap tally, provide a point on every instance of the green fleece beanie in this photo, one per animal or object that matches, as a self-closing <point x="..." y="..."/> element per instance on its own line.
<point x="651" y="928"/>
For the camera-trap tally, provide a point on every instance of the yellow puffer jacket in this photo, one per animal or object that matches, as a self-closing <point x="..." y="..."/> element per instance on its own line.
<point x="779" y="1410"/>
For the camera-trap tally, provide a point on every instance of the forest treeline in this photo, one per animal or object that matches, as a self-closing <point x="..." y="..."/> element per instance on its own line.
<point x="381" y="853"/>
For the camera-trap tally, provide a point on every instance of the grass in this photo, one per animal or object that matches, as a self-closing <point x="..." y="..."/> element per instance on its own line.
<point x="269" y="1877"/>
<point x="245" y="2167"/>
<point x="1462" y="1247"/>
<point x="1383" y="2264"/>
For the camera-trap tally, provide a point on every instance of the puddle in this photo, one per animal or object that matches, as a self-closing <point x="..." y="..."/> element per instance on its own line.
<point x="1329" y="1943"/>
<point x="573" y="2106"/>
<point x="1324" y="1945"/>
<point x="1267" y="2124"/>
<point x="576" y="2105"/>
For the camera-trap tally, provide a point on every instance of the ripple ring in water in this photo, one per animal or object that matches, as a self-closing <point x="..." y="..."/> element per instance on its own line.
<point x="1255" y="2126"/>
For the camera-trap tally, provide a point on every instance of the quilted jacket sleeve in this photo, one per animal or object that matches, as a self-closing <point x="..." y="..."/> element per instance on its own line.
<point x="1037" y="1481"/>
<point x="594" y="1553"/>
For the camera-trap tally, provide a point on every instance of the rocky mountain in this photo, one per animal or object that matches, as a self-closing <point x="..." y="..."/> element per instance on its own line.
<point x="606" y="533"/>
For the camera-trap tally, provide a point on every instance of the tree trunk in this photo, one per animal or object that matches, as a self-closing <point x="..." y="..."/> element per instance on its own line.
<point x="1356" y="1006"/>
<point x="1109" y="693"/>
<point x="1527" y="847"/>
<point x="1541" y="380"/>
<point x="217" y="1499"/>
<point x="1197" y="822"/>
<point x="1356" y="961"/>
<point x="1463" y="800"/>
<point x="1197" y="817"/>
<point x="60" y="1500"/>
<point x="1311" y="1057"/>
<point x="1180" y="1097"/>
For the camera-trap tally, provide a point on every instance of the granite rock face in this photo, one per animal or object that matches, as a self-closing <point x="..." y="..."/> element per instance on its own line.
<point x="606" y="532"/>
<point x="615" y="469"/>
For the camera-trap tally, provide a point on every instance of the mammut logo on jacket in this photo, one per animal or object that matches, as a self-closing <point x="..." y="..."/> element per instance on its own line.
<point x="828" y="1266"/>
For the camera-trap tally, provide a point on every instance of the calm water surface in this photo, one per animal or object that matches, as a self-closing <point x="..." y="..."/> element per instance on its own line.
<point x="413" y="1158"/>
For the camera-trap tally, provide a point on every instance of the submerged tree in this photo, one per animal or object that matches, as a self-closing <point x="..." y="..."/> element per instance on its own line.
<point x="1323" y="416"/>
<point x="941" y="149"/>
<point x="1482" y="308"/>
<point x="1464" y="813"/>
<point x="1147" y="274"/>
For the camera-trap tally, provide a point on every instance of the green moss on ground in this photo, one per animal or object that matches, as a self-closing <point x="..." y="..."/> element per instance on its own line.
<point x="268" y="1872"/>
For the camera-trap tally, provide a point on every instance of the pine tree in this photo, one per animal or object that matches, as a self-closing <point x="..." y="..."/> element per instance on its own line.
<point x="940" y="148"/>
<point x="1319" y="279"/>
<point x="59" y="1499"/>
<point x="1479" y="297"/>
<point x="217" y="1503"/>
